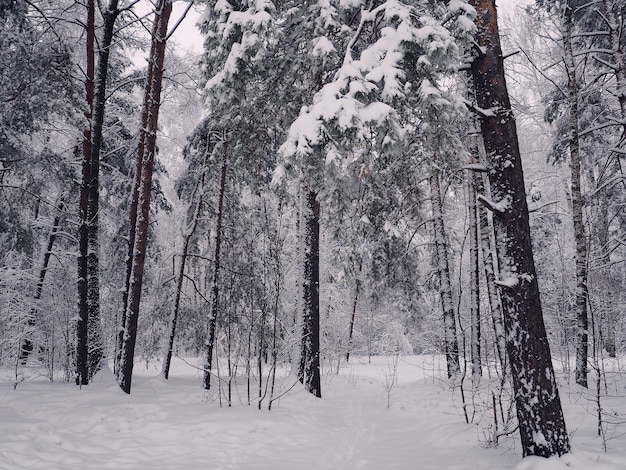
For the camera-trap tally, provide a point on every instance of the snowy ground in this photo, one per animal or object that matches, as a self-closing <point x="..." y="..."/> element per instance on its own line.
<point x="175" y="425"/>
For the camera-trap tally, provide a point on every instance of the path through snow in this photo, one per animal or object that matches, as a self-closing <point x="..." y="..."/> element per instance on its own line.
<point x="175" y="424"/>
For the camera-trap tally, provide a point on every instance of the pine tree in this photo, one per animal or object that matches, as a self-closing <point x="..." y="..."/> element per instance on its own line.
<point x="139" y="210"/>
<point x="540" y="417"/>
<point x="88" y="346"/>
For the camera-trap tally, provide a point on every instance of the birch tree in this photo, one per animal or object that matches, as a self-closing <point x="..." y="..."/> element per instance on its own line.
<point x="580" y="236"/>
<point x="475" y="332"/>
<point x="445" y="286"/>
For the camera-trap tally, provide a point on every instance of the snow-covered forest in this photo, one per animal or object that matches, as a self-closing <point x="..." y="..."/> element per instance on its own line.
<point x="329" y="234"/>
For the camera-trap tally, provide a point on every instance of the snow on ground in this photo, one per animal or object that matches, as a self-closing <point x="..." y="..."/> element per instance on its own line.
<point x="176" y="424"/>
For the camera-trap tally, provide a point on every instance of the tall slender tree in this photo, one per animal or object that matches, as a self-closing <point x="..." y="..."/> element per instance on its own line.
<point x="474" y="268"/>
<point x="580" y="236"/>
<point x="217" y="254"/>
<point x="486" y="246"/>
<point x="142" y="189"/>
<point x="539" y="412"/>
<point x="311" y="287"/>
<point x="451" y="343"/>
<point x="180" y="278"/>
<point x="88" y="341"/>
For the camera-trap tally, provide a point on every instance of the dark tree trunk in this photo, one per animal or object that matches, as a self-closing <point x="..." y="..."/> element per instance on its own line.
<point x="357" y="290"/>
<point x="451" y="343"/>
<point x="181" y="276"/>
<point x="88" y="341"/>
<point x="540" y="417"/>
<point x="27" y="345"/>
<point x="212" y="320"/>
<point x="143" y="174"/>
<point x="582" y="321"/>
<point x="474" y="279"/>
<point x="311" y="294"/>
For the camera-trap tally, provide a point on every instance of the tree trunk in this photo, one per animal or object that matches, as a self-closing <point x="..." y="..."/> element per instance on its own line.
<point x="299" y="320"/>
<point x="143" y="175"/>
<point x="88" y="339"/>
<point x="212" y="321"/>
<point x="357" y="290"/>
<point x="605" y="282"/>
<point x="580" y="237"/>
<point x="615" y="24"/>
<point x="276" y="256"/>
<point x="540" y="417"/>
<point x="474" y="279"/>
<point x="181" y="277"/>
<point x="490" y="277"/>
<point x="311" y="294"/>
<point x="27" y="345"/>
<point x="450" y="339"/>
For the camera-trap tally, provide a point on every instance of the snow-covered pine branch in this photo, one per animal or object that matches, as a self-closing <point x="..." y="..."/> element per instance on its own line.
<point x="372" y="90"/>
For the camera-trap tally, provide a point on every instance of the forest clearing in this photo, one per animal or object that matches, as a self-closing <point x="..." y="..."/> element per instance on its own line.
<point x="361" y="423"/>
<point x="384" y="234"/>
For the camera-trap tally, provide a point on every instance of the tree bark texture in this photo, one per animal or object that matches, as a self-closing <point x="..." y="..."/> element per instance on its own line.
<point x="212" y="320"/>
<point x="450" y="339"/>
<point x="143" y="176"/>
<point x="580" y="237"/>
<point x="539" y="412"/>
<point x="88" y="333"/>
<point x="474" y="278"/>
<point x="311" y="294"/>
<point x="486" y="246"/>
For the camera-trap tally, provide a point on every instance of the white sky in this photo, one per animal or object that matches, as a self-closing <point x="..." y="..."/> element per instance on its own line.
<point x="187" y="34"/>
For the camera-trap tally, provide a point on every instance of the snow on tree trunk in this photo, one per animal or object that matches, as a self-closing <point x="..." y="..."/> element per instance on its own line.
<point x="488" y="265"/>
<point x="540" y="416"/>
<point x="474" y="278"/>
<point x="181" y="275"/>
<point x="582" y="322"/>
<point x="357" y="290"/>
<point x="212" y="320"/>
<point x="145" y="163"/>
<point x="311" y="288"/>
<point x="88" y="332"/>
<point x="445" y="286"/>
<point x="27" y="345"/>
